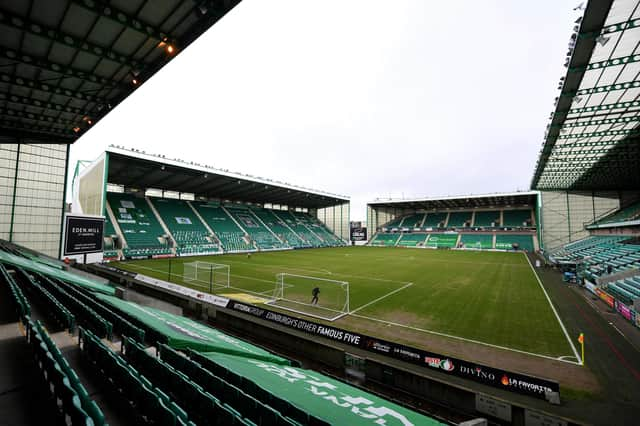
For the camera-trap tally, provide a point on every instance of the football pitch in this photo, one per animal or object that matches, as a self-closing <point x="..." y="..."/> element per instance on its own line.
<point x="491" y="298"/>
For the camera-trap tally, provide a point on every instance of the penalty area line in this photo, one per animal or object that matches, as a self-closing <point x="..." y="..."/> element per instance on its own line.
<point x="380" y="298"/>
<point x="464" y="339"/>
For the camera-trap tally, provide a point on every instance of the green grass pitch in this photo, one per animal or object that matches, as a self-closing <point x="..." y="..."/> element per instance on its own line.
<point x="491" y="297"/>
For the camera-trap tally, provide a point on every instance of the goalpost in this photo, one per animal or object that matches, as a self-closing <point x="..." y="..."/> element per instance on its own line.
<point x="296" y="293"/>
<point x="206" y="274"/>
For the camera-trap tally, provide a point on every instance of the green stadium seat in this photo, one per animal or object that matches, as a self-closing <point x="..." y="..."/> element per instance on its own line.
<point x="412" y="240"/>
<point x="477" y="241"/>
<point x="442" y="240"/>
<point x="459" y="219"/>
<point x="506" y="242"/>
<point x="434" y="220"/>
<point x="486" y="219"/>
<point x="516" y="218"/>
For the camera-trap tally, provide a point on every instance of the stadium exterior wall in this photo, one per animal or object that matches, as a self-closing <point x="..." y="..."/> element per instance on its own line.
<point x="32" y="195"/>
<point x="378" y="216"/>
<point x="89" y="187"/>
<point x="564" y="214"/>
<point x="336" y="218"/>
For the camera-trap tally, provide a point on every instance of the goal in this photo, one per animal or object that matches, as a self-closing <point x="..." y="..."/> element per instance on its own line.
<point x="295" y="293"/>
<point x="206" y="274"/>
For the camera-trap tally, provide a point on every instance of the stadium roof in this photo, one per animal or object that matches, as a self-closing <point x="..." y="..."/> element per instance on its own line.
<point x="509" y="199"/>
<point x="593" y="141"/>
<point x="64" y="64"/>
<point x="138" y="169"/>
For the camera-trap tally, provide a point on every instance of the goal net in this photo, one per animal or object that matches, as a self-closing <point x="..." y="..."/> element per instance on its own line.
<point x="315" y="297"/>
<point x="206" y="274"/>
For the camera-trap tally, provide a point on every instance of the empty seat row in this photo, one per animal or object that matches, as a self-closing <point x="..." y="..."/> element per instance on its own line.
<point x="200" y="405"/>
<point x="23" y="308"/>
<point x="259" y="405"/>
<point x="150" y="404"/>
<point x="72" y="399"/>
<point x="83" y="314"/>
<point x="121" y="325"/>
<point x="56" y="310"/>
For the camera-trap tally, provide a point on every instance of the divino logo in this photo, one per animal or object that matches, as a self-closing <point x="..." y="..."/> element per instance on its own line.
<point x="477" y="372"/>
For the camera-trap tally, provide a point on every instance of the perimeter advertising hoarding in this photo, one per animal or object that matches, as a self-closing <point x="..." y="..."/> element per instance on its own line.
<point x="82" y="234"/>
<point x="495" y="377"/>
<point x="605" y="297"/>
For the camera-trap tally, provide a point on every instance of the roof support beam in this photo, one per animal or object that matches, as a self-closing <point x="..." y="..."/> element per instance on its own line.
<point x="15" y="99"/>
<point x="51" y="33"/>
<point x="620" y="132"/>
<point x="607" y="63"/>
<point x="11" y="112"/>
<point x="613" y="28"/>
<point x="619" y="120"/>
<point x="45" y="87"/>
<point x="5" y="123"/>
<point x="114" y="14"/>
<point x="67" y="70"/>
<point x="602" y="89"/>
<point x="601" y="107"/>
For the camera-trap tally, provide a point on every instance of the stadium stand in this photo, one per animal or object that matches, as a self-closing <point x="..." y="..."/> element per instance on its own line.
<point x="435" y="220"/>
<point x="486" y="219"/>
<point x="188" y="232"/>
<point x="393" y="224"/>
<point x="328" y="238"/>
<point x="516" y="218"/>
<point x="309" y="239"/>
<point x="412" y="240"/>
<point x="149" y="404"/>
<point x="139" y="226"/>
<point x="23" y="307"/>
<point x="448" y="240"/>
<point x="74" y="404"/>
<point x="507" y="241"/>
<point x="279" y="227"/>
<point x="263" y="238"/>
<point x="110" y="234"/>
<point x="413" y="221"/>
<point x="231" y="236"/>
<point x="477" y="241"/>
<point x="622" y="217"/>
<point x="602" y="255"/>
<point x="53" y="308"/>
<point x="459" y="219"/>
<point x="385" y="239"/>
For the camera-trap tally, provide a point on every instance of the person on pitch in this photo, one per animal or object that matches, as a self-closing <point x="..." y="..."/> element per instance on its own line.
<point x="315" y="292"/>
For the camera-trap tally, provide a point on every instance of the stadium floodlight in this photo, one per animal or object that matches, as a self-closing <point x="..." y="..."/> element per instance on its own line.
<point x="206" y="275"/>
<point x="296" y="293"/>
<point x="579" y="7"/>
<point x="602" y="40"/>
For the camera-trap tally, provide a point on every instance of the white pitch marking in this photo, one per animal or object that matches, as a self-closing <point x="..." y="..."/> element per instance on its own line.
<point x="381" y="297"/>
<point x="566" y="334"/>
<point x="463" y="339"/>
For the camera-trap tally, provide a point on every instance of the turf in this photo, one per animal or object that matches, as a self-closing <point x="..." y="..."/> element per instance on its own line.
<point x="491" y="297"/>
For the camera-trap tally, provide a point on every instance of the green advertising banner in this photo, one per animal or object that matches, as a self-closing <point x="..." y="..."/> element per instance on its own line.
<point x="34" y="266"/>
<point x="184" y="333"/>
<point x="330" y="400"/>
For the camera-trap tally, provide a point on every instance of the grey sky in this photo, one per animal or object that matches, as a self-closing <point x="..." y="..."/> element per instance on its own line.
<point x="363" y="98"/>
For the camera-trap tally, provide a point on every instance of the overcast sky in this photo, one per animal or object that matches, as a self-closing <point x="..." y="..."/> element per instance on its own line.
<point x="362" y="98"/>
